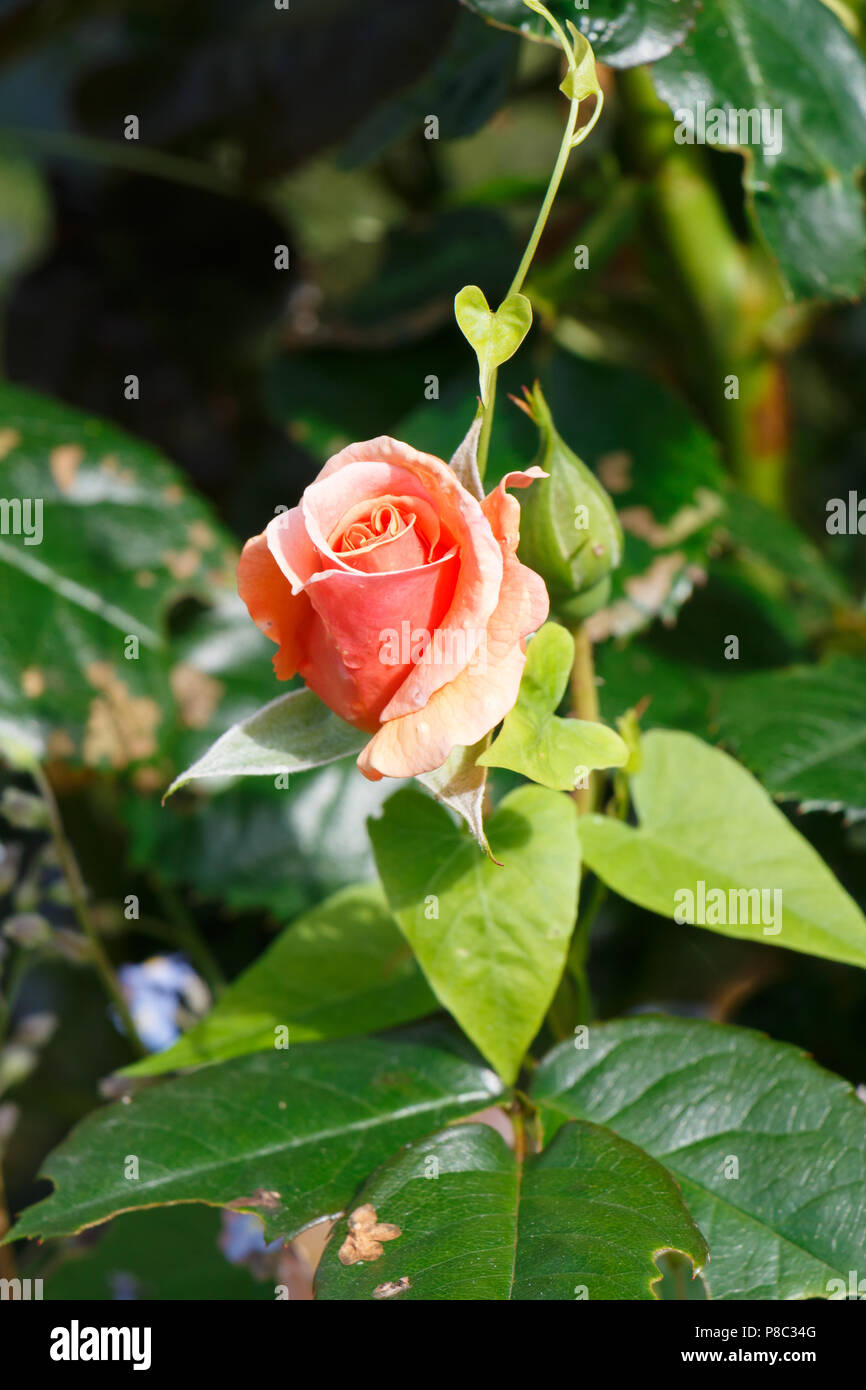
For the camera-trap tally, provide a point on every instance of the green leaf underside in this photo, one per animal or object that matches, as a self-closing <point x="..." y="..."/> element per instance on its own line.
<point x="292" y="733"/>
<point x="793" y="56"/>
<point x="534" y="740"/>
<point x="802" y="731"/>
<point x="494" y="336"/>
<point x="704" y="819"/>
<point x="490" y="937"/>
<point x="341" y="969"/>
<point x="590" y="1212"/>
<point x="696" y="1095"/>
<point x="308" y="1124"/>
<point x="622" y="32"/>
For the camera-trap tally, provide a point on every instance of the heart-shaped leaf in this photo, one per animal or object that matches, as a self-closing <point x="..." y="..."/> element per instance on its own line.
<point x="534" y="740"/>
<point x="491" y="938"/>
<point x="712" y="848"/>
<point x="495" y="337"/>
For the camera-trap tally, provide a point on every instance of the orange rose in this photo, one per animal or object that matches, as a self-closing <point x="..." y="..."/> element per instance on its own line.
<point x="399" y="599"/>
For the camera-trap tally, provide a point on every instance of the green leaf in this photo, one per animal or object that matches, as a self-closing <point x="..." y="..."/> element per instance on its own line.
<point x="792" y="57"/>
<point x="585" y="1217"/>
<point x="287" y="1135"/>
<point x="768" y="1149"/>
<point x="622" y="32"/>
<point x="129" y="1261"/>
<point x="495" y="337"/>
<point x="534" y="740"/>
<point x="292" y="733"/>
<point x="491" y="938"/>
<point x="707" y="830"/>
<point x="580" y="81"/>
<point x="802" y="731"/>
<point x="120" y="540"/>
<point x="341" y="969"/>
<point x="765" y="538"/>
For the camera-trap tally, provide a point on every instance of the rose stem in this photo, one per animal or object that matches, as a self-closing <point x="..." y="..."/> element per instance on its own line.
<point x="569" y="142"/>
<point x="584" y="703"/>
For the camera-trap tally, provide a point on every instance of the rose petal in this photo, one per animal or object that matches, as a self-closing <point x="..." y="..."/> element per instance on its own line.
<point x="354" y="612"/>
<point x="280" y="615"/>
<point x="413" y="511"/>
<point x="291" y="547"/>
<point x="477" y="588"/>
<point x="469" y="706"/>
<point x="503" y="512"/>
<point x="331" y="499"/>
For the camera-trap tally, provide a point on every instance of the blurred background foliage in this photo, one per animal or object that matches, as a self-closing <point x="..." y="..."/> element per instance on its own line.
<point x="156" y="257"/>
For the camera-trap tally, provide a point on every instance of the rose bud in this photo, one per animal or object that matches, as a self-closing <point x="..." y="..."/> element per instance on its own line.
<point x="570" y="532"/>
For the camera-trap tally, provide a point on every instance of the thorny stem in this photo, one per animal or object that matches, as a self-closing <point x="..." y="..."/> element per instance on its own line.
<point x="569" y="142"/>
<point x="78" y="893"/>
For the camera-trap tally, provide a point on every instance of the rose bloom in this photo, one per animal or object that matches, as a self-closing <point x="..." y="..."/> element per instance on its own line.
<point x="388" y="542"/>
